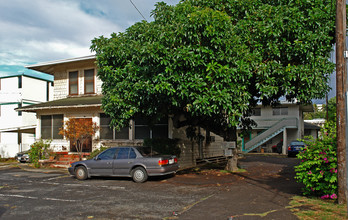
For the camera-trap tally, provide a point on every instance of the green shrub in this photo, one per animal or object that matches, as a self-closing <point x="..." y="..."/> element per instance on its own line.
<point x="39" y="150"/>
<point x="318" y="167"/>
<point x="96" y="152"/>
<point x="164" y="146"/>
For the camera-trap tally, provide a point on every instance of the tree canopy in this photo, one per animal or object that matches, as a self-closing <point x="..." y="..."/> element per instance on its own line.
<point x="214" y="60"/>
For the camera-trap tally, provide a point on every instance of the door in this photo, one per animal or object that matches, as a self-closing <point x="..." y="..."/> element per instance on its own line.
<point x="102" y="165"/>
<point x="124" y="161"/>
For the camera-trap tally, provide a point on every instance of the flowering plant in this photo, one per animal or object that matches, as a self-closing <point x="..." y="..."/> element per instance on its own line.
<point x="318" y="167"/>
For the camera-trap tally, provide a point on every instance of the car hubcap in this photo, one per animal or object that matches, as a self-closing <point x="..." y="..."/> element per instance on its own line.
<point x="80" y="172"/>
<point x="138" y="175"/>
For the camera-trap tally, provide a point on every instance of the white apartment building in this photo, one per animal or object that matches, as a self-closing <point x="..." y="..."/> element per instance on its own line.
<point x="17" y="128"/>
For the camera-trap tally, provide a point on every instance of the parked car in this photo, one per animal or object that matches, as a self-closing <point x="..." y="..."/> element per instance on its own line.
<point x="23" y="156"/>
<point x="295" y="147"/>
<point x="135" y="162"/>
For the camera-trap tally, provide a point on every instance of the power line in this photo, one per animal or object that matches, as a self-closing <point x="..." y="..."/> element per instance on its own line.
<point x="138" y="10"/>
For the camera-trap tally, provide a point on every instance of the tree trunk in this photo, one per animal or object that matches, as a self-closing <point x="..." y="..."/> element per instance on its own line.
<point x="232" y="163"/>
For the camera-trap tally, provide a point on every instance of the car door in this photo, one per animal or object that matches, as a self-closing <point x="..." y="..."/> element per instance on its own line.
<point x="102" y="165"/>
<point x="124" y="161"/>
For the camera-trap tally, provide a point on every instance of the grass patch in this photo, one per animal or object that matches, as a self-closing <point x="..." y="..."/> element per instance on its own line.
<point x="8" y="160"/>
<point x="313" y="208"/>
<point x="238" y="171"/>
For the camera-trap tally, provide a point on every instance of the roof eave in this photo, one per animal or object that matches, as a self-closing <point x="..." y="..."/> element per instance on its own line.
<point x="47" y="67"/>
<point x="35" y="109"/>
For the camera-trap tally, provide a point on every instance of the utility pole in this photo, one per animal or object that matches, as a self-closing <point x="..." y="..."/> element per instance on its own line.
<point x="341" y="80"/>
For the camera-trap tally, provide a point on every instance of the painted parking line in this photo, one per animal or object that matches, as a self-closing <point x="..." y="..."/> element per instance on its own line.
<point x="31" y="197"/>
<point x="57" y="177"/>
<point x="83" y="185"/>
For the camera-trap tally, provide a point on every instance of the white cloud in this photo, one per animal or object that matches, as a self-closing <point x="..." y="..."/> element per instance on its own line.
<point x="43" y="30"/>
<point x="40" y="30"/>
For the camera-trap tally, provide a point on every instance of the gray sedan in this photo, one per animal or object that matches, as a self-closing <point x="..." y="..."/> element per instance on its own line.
<point x="135" y="162"/>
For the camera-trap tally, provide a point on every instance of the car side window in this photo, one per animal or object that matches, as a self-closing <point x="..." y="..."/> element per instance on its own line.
<point x="108" y="154"/>
<point x="132" y="154"/>
<point x="123" y="153"/>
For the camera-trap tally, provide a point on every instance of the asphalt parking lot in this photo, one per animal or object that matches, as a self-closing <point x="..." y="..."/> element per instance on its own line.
<point x="263" y="192"/>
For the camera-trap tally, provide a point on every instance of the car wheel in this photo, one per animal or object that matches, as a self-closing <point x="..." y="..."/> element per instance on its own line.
<point x="81" y="173"/>
<point x="139" y="175"/>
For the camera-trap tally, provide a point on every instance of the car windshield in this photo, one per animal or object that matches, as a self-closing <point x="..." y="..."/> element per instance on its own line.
<point x="146" y="151"/>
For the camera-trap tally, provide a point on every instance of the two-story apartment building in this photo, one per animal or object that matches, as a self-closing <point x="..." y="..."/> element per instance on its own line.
<point x="78" y="94"/>
<point x="283" y="123"/>
<point x="17" y="128"/>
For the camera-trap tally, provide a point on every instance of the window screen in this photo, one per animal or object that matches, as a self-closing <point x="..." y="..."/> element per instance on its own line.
<point x="73" y="83"/>
<point x="89" y="81"/>
<point x="142" y="130"/>
<point x="50" y="126"/>
<point x="46" y="124"/>
<point x="57" y="124"/>
<point x="280" y="111"/>
<point x="105" y="131"/>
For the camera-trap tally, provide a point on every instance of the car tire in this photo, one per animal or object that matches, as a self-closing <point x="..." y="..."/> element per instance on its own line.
<point x="139" y="175"/>
<point x="81" y="173"/>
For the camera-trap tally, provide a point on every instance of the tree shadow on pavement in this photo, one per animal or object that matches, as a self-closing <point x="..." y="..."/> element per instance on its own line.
<point x="276" y="173"/>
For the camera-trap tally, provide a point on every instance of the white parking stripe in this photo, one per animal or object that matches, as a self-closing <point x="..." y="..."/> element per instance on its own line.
<point x="30" y="197"/>
<point x="83" y="185"/>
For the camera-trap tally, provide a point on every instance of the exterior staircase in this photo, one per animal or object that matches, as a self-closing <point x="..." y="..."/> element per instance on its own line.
<point x="270" y="133"/>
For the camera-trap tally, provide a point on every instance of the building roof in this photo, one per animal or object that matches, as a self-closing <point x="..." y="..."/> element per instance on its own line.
<point x="310" y="126"/>
<point x="70" y="102"/>
<point x="29" y="73"/>
<point x="47" y="67"/>
<point x="29" y="129"/>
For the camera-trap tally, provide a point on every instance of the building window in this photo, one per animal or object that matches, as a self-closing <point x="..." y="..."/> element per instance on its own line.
<point x="50" y="125"/>
<point x="159" y="130"/>
<point x="73" y="83"/>
<point x="89" y="81"/>
<point x="256" y="112"/>
<point x="142" y="130"/>
<point x="19" y="106"/>
<point x="108" y="133"/>
<point x="105" y="131"/>
<point x="0" y="84"/>
<point x="280" y="111"/>
<point x="19" y="82"/>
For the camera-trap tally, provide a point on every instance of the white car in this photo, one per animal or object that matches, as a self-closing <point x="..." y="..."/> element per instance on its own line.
<point x="23" y="157"/>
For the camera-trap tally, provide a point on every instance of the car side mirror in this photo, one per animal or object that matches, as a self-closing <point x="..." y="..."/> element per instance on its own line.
<point x="96" y="158"/>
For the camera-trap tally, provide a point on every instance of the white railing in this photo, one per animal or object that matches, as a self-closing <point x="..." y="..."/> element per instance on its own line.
<point x="270" y="133"/>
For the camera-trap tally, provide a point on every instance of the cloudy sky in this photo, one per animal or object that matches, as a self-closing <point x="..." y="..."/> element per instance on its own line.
<point x="35" y="31"/>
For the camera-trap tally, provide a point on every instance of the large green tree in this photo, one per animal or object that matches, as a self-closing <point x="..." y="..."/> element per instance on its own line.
<point x="214" y="60"/>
